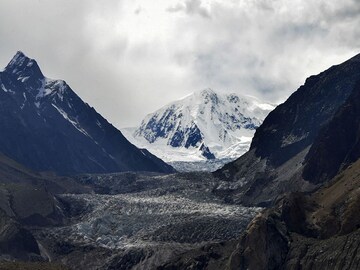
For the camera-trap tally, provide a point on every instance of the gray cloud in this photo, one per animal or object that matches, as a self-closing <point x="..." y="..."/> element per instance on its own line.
<point x="269" y="51"/>
<point x="128" y="58"/>
<point x="137" y="10"/>
<point x="190" y="7"/>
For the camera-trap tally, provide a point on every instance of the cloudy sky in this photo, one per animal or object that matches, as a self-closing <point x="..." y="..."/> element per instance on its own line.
<point x="129" y="57"/>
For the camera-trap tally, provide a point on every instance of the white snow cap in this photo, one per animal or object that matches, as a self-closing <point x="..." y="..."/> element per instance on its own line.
<point x="226" y="122"/>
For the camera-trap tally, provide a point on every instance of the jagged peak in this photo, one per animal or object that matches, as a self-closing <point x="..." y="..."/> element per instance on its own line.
<point x="18" y="59"/>
<point x="24" y="66"/>
<point x="207" y="95"/>
<point x="205" y="92"/>
<point x="209" y="92"/>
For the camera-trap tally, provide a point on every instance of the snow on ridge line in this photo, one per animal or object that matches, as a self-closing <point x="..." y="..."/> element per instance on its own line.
<point x="50" y="86"/>
<point x="75" y="124"/>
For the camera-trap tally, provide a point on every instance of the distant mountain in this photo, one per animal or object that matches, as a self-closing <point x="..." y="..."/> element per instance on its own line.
<point x="47" y="127"/>
<point x="202" y="126"/>
<point x="289" y="151"/>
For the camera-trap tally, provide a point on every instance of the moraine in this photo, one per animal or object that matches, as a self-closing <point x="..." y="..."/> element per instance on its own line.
<point x="145" y="213"/>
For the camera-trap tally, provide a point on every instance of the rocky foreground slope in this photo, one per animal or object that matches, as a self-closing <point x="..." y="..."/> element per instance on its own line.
<point x="27" y="199"/>
<point x="316" y="231"/>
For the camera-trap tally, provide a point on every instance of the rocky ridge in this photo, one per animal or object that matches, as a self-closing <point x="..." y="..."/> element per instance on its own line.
<point x="280" y="147"/>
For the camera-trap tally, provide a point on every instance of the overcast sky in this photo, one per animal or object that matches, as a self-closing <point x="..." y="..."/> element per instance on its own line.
<point x="128" y="58"/>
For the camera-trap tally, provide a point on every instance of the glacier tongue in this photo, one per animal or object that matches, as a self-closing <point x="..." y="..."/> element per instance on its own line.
<point x="201" y="126"/>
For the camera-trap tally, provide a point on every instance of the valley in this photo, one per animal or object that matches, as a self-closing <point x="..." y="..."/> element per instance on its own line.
<point x="147" y="214"/>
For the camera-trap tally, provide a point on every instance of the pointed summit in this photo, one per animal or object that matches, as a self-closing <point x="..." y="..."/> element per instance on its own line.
<point x="206" y="92"/>
<point x="17" y="58"/>
<point x="207" y="95"/>
<point x="23" y="66"/>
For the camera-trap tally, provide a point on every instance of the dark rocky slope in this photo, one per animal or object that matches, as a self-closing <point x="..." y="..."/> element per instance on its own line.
<point x="338" y="144"/>
<point x="275" y="162"/>
<point x="31" y="266"/>
<point x="47" y="127"/>
<point x="14" y="174"/>
<point x="15" y="241"/>
<point x="303" y="231"/>
<point x="28" y="200"/>
<point x="318" y="231"/>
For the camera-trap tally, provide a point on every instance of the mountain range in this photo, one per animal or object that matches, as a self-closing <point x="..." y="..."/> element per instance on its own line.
<point x="290" y="202"/>
<point x="47" y="127"/>
<point x="202" y="126"/>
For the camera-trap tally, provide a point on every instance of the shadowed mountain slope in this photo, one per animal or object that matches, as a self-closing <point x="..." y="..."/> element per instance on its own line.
<point x="275" y="161"/>
<point x="47" y="127"/>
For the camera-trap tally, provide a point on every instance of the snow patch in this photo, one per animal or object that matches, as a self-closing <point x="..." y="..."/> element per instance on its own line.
<point x="75" y="124"/>
<point x="51" y="87"/>
<point x="25" y="99"/>
<point x="23" y="79"/>
<point x="6" y="90"/>
<point x="98" y="124"/>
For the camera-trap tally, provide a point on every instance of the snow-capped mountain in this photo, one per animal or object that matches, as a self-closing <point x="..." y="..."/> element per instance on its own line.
<point x="47" y="127"/>
<point x="202" y="126"/>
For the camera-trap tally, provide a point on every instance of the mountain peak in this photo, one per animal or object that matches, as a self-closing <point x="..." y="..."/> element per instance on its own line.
<point x="18" y="60"/>
<point x="206" y="92"/>
<point x="44" y="119"/>
<point x="18" y="55"/>
<point x="204" y="125"/>
<point x="23" y="66"/>
<point x="207" y="95"/>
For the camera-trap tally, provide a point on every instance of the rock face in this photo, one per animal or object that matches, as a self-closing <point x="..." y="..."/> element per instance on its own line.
<point x="205" y="125"/>
<point x="280" y="147"/>
<point x="15" y="241"/>
<point x="338" y="144"/>
<point x="27" y="199"/>
<point x="320" y="231"/>
<point x="303" y="231"/>
<point x="47" y="127"/>
<point x="293" y="126"/>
